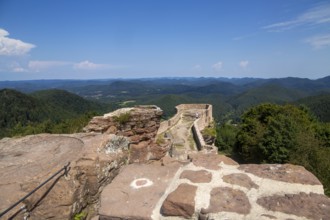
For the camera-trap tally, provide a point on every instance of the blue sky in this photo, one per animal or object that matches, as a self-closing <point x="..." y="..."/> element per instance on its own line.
<point x="92" y="39"/>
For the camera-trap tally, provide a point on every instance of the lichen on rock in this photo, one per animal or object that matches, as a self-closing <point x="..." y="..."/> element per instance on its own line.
<point x="116" y="144"/>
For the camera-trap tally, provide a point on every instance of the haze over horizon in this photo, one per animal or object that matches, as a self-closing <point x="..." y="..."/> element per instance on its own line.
<point x="142" y="39"/>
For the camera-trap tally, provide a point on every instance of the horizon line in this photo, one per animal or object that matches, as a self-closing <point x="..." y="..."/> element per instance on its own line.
<point x="161" y="77"/>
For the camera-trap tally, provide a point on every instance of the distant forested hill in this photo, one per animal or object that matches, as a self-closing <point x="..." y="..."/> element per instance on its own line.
<point x="230" y="97"/>
<point x="319" y="106"/>
<point x="17" y="107"/>
<point x="271" y="93"/>
<point x="67" y="103"/>
<point x="44" y="111"/>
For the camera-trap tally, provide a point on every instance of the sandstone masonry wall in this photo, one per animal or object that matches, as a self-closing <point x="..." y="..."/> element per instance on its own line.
<point x="204" y="113"/>
<point x="140" y="124"/>
<point x="169" y="123"/>
<point x="205" y="119"/>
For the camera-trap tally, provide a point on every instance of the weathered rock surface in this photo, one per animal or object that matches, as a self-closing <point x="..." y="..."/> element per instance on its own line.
<point x="27" y="162"/>
<point x="140" y="124"/>
<point x="282" y="172"/>
<point x="311" y="206"/>
<point x="241" y="180"/>
<point x="135" y="192"/>
<point x="200" y="176"/>
<point x="224" y="199"/>
<point x="181" y="202"/>
<point x="210" y="161"/>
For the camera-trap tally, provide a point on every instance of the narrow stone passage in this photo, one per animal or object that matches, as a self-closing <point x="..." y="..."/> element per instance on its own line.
<point x="183" y="141"/>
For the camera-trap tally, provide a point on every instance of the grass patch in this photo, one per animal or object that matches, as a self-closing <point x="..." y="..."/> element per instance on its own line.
<point x="210" y="131"/>
<point x="179" y="146"/>
<point x="160" y="140"/>
<point x="80" y="216"/>
<point x="123" y="118"/>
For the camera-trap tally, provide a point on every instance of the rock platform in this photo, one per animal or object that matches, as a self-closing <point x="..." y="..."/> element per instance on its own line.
<point x="211" y="186"/>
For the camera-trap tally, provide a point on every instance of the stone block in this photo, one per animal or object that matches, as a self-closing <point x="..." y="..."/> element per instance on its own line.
<point x="224" y="199"/>
<point x="200" y="176"/>
<point x="180" y="202"/>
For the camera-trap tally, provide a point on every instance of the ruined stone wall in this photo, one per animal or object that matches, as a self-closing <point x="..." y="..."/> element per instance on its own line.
<point x="198" y="137"/>
<point x="165" y="125"/>
<point x="140" y="124"/>
<point x="204" y="120"/>
<point x="205" y="114"/>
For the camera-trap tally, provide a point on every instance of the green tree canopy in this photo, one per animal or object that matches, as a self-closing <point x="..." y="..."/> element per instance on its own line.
<point x="270" y="132"/>
<point x="285" y="134"/>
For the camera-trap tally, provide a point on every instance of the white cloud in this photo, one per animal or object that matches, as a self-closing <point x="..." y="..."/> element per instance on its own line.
<point x="42" y="65"/>
<point x="217" y="66"/>
<point x="313" y="16"/>
<point x="13" y="47"/>
<point x="16" y="66"/>
<point x="87" y="65"/>
<point x="37" y="65"/>
<point x="197" y="67"/>
<point x="244" y="63"/>
<point x="319" y="41"/>
<point x="19" y="70"/>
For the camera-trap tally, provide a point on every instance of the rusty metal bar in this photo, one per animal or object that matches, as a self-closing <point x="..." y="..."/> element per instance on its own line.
<point x="65" y="168"/>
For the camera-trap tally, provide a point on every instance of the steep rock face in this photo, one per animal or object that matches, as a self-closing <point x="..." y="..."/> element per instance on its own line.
<point x="140" y="124"/>
<point x="27" y="162"/>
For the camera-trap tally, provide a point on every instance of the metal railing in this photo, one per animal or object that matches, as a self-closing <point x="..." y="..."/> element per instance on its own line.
<point x="66" y="169"/>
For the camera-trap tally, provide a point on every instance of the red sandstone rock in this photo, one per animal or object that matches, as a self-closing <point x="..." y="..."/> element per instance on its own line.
<point x="241" y="180"/>
<point x="282" y="172"/>
<point x="157" y="152"/>
<point x="224" y="199"/>
<point x="181" y="202"/>
<point x="124" y="199"/>
<point x="201" y="176"/>
<point x="27" y="162"/>
<point x="112" y="130"/>
<point x="141" y="128"/>
<point x="135" y="139"/>
<point x="311" y="206"/>
<point x="210" y="161"/>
